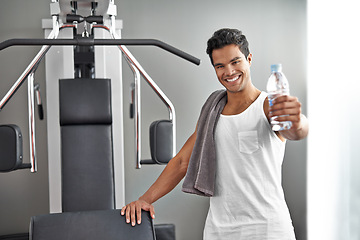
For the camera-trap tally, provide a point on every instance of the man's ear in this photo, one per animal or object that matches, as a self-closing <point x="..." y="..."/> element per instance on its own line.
<point x="249" y="58"/>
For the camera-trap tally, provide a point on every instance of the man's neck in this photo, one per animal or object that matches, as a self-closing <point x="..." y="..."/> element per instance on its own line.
<point x="239" y="101"/>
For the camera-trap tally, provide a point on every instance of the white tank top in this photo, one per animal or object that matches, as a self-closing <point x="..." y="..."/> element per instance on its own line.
<point x="249" y="203"/>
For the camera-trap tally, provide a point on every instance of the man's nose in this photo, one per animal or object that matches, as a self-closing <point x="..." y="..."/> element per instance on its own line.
<point x="229" y="70"/>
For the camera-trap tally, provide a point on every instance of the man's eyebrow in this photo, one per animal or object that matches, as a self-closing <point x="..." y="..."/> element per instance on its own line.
<point x="232" y="60"/>
<point x="235" y="58"/>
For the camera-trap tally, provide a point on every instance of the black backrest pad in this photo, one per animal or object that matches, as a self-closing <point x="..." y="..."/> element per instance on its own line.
<point x="86" y="145"/>
<point x="90" y="225"/>
<point x="85" y="101"/>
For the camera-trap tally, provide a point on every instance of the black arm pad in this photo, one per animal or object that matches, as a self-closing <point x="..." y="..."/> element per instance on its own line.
<point x="161" y="141"/>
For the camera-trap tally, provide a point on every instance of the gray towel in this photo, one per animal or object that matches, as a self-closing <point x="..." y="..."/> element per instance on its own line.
<point x="200" y="176"/>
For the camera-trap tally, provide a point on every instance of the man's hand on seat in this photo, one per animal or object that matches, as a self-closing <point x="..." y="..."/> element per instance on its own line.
<point x="132" y="211"/>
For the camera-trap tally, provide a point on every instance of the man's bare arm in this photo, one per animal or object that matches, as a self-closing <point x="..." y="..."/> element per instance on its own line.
<point x="173" y="173"/>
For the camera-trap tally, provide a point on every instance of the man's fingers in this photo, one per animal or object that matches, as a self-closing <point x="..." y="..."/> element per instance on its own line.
<point x="287" y="111"/>
<point x="132" y="214"/>
<point x="127" y="211"/>
<point x="138" y="213"/>
<point x="123" y="210"/>
<point x="284" y="98"/>
<point x="285" y="105"/>
<point x="152" y="212"/>
<point x="291" y="118"/>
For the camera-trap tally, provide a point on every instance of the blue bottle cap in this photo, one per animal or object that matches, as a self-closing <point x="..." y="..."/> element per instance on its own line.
<point x="276" y="67"/>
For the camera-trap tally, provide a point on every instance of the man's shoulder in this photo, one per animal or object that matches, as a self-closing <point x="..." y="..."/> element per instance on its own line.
<point x="217" y="94"/>
<point x="214" y="99"/>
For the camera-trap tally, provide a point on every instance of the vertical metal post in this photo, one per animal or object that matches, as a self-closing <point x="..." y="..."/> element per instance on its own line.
<point x="137" y="106"/>
<point x="137" y="111"/>
<point x="33" y="159"/>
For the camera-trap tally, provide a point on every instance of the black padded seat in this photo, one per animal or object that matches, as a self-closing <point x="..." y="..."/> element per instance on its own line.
<point x="90" y="225"/>
<point x="18" y="236"/>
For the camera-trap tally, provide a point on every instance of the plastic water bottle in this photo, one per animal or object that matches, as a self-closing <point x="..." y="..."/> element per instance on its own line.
<point x="277" y="85"/>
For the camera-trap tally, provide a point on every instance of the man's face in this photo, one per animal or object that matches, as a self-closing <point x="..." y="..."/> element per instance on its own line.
<point x="232" y="67"/>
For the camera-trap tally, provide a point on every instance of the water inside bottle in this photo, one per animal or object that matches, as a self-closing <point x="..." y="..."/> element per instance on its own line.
<point x="277" y="125"/>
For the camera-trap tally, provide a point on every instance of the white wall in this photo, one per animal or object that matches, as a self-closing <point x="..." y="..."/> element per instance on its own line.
<point x="333" y="148"/>
<point x="276" y="31"/>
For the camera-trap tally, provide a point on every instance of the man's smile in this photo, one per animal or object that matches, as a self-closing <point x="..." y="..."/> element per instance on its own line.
<point x="233" y="79"/>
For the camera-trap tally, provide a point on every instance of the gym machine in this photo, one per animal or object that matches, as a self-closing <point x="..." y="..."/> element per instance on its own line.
<point x="85" y="125"/>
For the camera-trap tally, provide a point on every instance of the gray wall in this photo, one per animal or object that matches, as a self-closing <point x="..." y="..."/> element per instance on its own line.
<point x="22" y="194"/>
<point x="276" y="31"/>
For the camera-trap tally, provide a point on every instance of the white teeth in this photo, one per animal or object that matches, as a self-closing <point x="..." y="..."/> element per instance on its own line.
<point x="233" y="79"/>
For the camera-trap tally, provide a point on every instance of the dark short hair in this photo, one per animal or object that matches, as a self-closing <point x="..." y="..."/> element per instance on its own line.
<point x="227" y="36"/>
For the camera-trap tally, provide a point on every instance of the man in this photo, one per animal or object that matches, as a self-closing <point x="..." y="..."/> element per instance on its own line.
<point x="233" y="156"/>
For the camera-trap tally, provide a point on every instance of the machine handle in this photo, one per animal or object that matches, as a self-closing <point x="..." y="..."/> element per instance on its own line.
<point x="91" y="42"/>
<point x="39" y="101"/>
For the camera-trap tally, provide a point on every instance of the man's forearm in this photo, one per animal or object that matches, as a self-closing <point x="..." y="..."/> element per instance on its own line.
<point x="173" y="173"/>
<point x="167" y="181"/>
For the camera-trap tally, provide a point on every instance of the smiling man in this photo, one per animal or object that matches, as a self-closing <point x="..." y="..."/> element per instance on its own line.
<point x="233" y="156"/>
